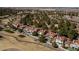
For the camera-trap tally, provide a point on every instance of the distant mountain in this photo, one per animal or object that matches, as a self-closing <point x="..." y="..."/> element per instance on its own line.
<point x="46" y="8"/>
<point x="6" y="11"/>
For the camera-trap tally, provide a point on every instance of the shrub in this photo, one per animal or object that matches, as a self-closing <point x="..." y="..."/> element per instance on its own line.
<point x="78" y="49"/>
<point x="65" y="47"/>
<point x="22" y="36"/>
<point x="42" y="39"/>
<point x="35" y="34"/>
<point x="10" y="31"/>
<point x="20" y="30"/>
<point x="1" y="36"/>
<point x="54" y="45"/>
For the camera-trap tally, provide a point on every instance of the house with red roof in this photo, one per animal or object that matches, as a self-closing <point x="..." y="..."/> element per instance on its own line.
<point x="75" y="44"/>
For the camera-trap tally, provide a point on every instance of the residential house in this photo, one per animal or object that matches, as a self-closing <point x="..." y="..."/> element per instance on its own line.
<point x="51" y="34"/>
<point x="74" y="44"/>
<point x="41" y="32"/>
<point x="67" y="42"/>
<point x="59" y="41"/>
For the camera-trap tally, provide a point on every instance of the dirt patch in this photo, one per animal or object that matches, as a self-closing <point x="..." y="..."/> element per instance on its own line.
<point x="11" y="49"/>
<point x="12" y="42"/>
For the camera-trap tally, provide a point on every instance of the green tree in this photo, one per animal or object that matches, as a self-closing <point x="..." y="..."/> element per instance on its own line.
<point x="53" y="28"/>
<point x="73" y="26"/>
<point x="62" y="31"/>
<point x="26" y="20"/>
<point x="44" y="26"/>
<point x="67" y="23"/>
<point x="72" y="34"/>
